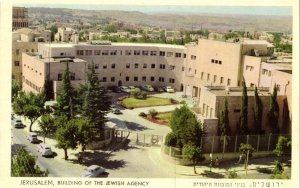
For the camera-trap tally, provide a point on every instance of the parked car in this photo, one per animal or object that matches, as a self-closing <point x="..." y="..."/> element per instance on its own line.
<point x="169" y="89"/>
<point x="45" y="150"/>
<point x="158" y="89"/>
<point x="18" y="123"/>
<point x="125" y="89"/>
<point x="131" y="87"/>
<point x="32" y="137"/>
<point x="147" y="88"/>
<point x="93" y="171"/>
<point x="116" y="111"/>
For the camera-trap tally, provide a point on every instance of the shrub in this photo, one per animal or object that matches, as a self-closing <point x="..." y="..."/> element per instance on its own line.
<point x="171" y="139"/>
<point x="143" y="95"/>
<point x="153" y="113"/>
<point x="142" y="114"/>
<point x="232" y="174"/>
<point x="182" y="102"/>
<point x="135" y="92"/>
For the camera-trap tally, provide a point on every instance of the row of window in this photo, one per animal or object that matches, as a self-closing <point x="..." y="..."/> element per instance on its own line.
<point x="214" y="78"/>
<point x="249" y="68"/>
<point x="26" y="50"/>
<point x="60" y="76"/>
<point x="136" y="65"/>
<point x="130" y="52"/>
<point x="29" y="68"/>
<point x="266" y="72"/>
<point x="216" y="61"/>
<point x="32" y="85"/>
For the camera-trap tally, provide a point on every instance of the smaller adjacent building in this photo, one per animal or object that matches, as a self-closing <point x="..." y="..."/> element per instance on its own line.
<point x="212" y="102"/>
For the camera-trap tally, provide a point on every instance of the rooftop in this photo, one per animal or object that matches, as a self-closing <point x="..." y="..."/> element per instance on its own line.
<point x="236" y="91"/>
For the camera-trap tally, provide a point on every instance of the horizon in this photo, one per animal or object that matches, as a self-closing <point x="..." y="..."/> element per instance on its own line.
<point x="179" y="9"/>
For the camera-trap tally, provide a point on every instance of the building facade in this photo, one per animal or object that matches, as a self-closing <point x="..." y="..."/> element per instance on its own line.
<point x="19" y="18"/>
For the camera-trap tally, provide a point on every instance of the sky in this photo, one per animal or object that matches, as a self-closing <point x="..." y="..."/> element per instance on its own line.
<point x="234" y="10"/>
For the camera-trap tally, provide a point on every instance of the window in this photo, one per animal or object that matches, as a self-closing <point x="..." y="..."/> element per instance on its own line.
<point x="153" y="66"/>
<point x="264" y="71"/>
<point x="172" y="67"/>
<point x="59" y="77"/>
<point x="208" y="77"/>
<point x="136" y="52"/>
<point x="97" y="52"/>
<point x="112" y="79"/>
<point x="193" y="57"/>
<point x="87" y="52"/>
<point x="135" y="78"/>
<point x="162" y="66"/>
<point x="270" y="73"/>
<point x="104" y="79"/>
<point x="212" y="60"/>
<point x="161" y="79"/>
<point x="237" y="110"/>
<point x="127" y="52"/>
<point x="105" y="52"/>
<point x="220" y="62"/>
<point x="72" y="76"/>
<point x="221" y="80"/>
<point x="104" y="66"/>
<point x="172" y="80"/>
<point x="144" y="78"/>
<point x="184" y="55"/>
<point x="144" y="52"/>
<point x="62" y="53"/>
<point x="17" y="63"/>
<point x="228" y="82"/>
<point x="162" y="53"/>
<point x="96" y="66"/>
<point x="17" y="52"/>
<point x="127" y="78"/>
<point x="136" y="65"/>
<point x="195" y="71"/>
<point x="215" y="78"/>
<point x="152" y="79"/>
<point x="79" y="52"/>
<point x="177" y="54"/>
<point x="249" y="68"/>
<point x="127" y="65"/>
<point x="113" y="66"/>
<point x="32" y="50"/>
<point x="144" y="65"/>
<point x="113" y="52"/>
<point x="182" y="68"/>
<point x="169" y="54"/>
<point x="190" y="69"/>
<point x="152" y="53"/>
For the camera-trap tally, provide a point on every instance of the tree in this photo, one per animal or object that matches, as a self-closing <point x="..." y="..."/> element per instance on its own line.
<point x="66" y="100"/>
<point x="193" y="153"/>
<point x="15" y="89"/>
<point x="243" y="124"/>
<point x="273" y="113"/>
<point x="96" y="101"/>
<point x="258" y="110"/>
<point x="246" y="150"/>
<point x="283" y="147"/>
<point x="186" y="127"/>
<point x="53" y="30"/>
<point x="46" y="125"/>
<point x="29" y="105"/>
<point x="48" y="90"/>
<point x="171" y="139"/>
<point x="135" y="92"/>
<point x="84" y="131"/>
<point x="24" y="165"/>
<point x="65" y="134"/>
<point x="224" y="128"/>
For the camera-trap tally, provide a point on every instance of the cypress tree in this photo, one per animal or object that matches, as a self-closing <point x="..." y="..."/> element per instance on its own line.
<point x="66" y="97"/>
<point x="258" y="110"/>
<point x="243" y="129"/>
<point x="273" y="113"/>
<point x="224" y="128"/>
<point x="96" y="101"/>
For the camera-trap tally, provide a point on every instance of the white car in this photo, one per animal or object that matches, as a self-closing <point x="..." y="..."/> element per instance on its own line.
<point x="32" y="137"/>
<point x="148" y="88"/>
<point x="45" y="150"/>
<point x="93" y="171"/>
<point x="169" y="89"/>
<point x="125" y="89"/>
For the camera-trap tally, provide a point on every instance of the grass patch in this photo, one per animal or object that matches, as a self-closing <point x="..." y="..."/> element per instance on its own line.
<point x="162" y="118"/>
<point x="150" y="101"/>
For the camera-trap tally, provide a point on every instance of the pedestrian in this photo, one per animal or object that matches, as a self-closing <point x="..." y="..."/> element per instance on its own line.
<point x="217" y="161"/>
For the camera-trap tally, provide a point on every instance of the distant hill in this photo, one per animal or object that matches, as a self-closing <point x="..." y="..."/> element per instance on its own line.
<point x="171" y="20"/>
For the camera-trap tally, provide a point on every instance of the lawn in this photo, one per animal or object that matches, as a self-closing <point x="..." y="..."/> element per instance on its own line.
<point x="150" y="101"/>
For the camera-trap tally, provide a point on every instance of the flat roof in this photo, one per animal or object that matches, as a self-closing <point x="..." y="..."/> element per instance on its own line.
<point x="70" y="45"/>
<point x="237" y="91"/>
